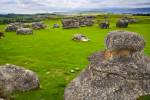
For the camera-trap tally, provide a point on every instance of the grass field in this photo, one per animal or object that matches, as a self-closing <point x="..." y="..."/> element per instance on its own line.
<point x="52" y="54"/>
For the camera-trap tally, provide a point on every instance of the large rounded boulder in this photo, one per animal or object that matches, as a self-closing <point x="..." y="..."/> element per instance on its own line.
<point x="14" y="78"/>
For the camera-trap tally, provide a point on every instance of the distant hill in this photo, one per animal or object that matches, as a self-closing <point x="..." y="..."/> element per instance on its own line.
<point x="124" y="10"/>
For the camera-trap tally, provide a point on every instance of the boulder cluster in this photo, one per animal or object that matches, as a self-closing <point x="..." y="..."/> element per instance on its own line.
<point x="24" y="28"/>
<point x="12" y="27"/>
<point x="121" y="72"/>
<point x="77" y="22"/>
<point x="14" y="78"/>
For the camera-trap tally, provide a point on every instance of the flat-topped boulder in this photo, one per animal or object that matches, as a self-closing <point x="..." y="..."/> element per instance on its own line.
<point x="121" y="72"/>
<point x="80" y="37"/>
<point x="14" y="78"/>
<point x="70" y="23"/>
<point x="24" y="31"/>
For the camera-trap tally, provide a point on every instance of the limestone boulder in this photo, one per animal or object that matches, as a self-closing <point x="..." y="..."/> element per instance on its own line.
<point x="38" y="25"/>
<point x="122" y="23"/>
<point x="14" y="78"/>
<point x="117" y="73"/>
<point x="80" y="37"/>
<point x="24" y="31"/>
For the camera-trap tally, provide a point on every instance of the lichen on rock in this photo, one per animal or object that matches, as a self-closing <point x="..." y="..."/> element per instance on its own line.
<point x="121" y="72"/>
<point x="14" y="78"/>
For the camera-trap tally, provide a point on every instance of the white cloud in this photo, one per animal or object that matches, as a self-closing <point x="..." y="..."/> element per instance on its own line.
<point x="37" y="6"/>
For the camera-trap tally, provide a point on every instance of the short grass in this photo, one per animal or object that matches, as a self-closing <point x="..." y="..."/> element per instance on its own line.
<point x="52" y="54"/>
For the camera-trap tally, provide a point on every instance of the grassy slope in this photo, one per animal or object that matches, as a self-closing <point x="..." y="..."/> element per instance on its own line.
<point x="53" y="51"/>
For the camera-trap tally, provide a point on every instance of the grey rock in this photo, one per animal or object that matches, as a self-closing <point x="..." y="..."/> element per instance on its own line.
<point x="56" y="26"/>
<point x="124" y="40"/>
<point x="80" y="37"/>
<point x="104" y="25"/>
<point x="118" y="74"/>
<point x="14" y="78"/>
<point x="12" y="27"/>
<point x="38" y="25"/>
<point x="77" y="22"/>
<point x="70" y="23"/>
<point x="123" y="23"/>
<point x="24" y="31"/>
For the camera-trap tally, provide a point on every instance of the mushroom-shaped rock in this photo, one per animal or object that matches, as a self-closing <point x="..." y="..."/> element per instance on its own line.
<point x="124" y="40"/>
<point x="114" y="74"/>
<point x="14" y="78"/>
<point x="25" y="31"/>
<point x="80" y="37"/>
<point x="122" y="23"/>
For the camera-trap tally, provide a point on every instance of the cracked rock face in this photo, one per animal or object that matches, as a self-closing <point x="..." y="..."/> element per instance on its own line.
<point x="118" y="73"/>
<point x="14" y="78"/>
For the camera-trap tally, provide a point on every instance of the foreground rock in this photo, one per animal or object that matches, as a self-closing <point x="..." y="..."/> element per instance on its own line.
<point x="122" y="72"/>
<point x="24" y="31"/>
<point x="14" y="78"/>
<point x="80" y="37"/>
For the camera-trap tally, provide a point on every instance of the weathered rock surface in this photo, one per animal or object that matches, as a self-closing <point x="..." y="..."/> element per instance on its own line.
<point x="80" y="37"/>
<point x="77" y="22"/>
<point x="104" y="25"/>
<point x="70" y="23"/>
<point x="24" y="31"/>
<point x="14" y="78"/>
<point x="122" y="23"/>
<point x="118" y="73"/>
<point x="38" y="25"/>
<point x="12" y="27"/>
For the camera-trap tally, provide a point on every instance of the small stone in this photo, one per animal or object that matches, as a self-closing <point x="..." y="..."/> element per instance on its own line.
<point x="72" y="71"/>
<point x="47" y="73"/>
<point x="77" y="69"/>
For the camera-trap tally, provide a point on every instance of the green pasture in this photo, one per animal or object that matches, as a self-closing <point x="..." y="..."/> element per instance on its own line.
<point x="51" y="53"/>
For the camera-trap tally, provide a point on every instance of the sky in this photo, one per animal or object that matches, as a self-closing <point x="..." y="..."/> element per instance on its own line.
<point x="48" y="6"/>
